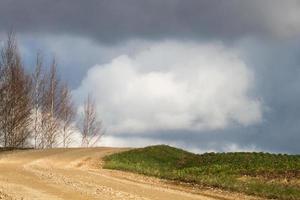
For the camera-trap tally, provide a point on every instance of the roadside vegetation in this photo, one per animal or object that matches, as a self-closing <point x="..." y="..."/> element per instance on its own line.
<point x="275" y="176"/>
<point x="2" y="149"/>
<point x="36" y="107"/>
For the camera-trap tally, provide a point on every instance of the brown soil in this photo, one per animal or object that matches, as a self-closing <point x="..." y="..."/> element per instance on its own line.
<point x="77" y="174"/>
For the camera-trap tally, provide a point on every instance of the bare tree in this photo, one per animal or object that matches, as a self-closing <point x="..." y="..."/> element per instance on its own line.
<point x="15" y="97"/>
<point x="38" y="88"/>
<point x="35" y="103"/>
<point x="67" y="115"/>
<point x="50" y="109"/>
<point x="3" y="86"/>
<point x="91" y="127"/>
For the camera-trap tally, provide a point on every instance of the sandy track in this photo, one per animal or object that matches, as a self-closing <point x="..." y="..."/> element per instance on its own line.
<point x="77" y="174"/>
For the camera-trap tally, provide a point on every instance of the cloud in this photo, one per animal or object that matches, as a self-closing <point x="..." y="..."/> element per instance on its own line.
<point x="281" y="19"/>
<point x="265" y="34"/>
<point x="120" y="20"/>
<point x="75" y="55"/>
<point x="173" y="85"/>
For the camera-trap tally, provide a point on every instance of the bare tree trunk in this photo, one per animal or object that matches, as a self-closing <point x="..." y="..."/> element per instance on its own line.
<point x="91" y="127"/>
<point x="50" y="110"/>
<point x="67" y="115"/>
<point x="3" y="86"/>
<point x="37" y="97"/>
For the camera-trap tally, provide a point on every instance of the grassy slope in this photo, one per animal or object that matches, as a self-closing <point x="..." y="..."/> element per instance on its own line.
<point x="262" y="174"/>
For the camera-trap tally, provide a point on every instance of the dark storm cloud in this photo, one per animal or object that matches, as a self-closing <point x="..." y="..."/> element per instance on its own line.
<point x="115" y="20"/>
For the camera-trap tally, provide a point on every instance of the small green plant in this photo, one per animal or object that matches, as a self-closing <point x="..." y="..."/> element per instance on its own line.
<point x="263" y="174"/>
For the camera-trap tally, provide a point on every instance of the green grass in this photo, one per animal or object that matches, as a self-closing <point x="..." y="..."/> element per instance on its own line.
<point x="268" y="175"/>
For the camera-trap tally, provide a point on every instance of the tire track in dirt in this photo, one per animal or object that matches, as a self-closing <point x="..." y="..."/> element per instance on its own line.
<point x="76" y="174"/>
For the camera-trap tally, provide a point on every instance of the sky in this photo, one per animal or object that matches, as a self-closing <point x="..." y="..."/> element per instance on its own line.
<point x="207" y="75"/>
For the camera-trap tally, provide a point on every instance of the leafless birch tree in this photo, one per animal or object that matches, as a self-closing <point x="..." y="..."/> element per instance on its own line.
<point x="91" y="127"/>
<point x="37" y="106"/>
<point x="67" y="115"/>
<point x="15" y="97"/>
<point x="50" y="109"/>
<point x="38" y="88"/>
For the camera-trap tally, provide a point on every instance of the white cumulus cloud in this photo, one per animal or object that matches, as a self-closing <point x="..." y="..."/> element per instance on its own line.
<point x="172" y="86"/>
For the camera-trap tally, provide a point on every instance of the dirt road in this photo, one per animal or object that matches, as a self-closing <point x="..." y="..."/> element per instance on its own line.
<point x="76" y="174"/>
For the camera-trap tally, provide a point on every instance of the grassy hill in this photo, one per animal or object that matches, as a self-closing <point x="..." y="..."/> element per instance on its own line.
<point x="267" y="175"/>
